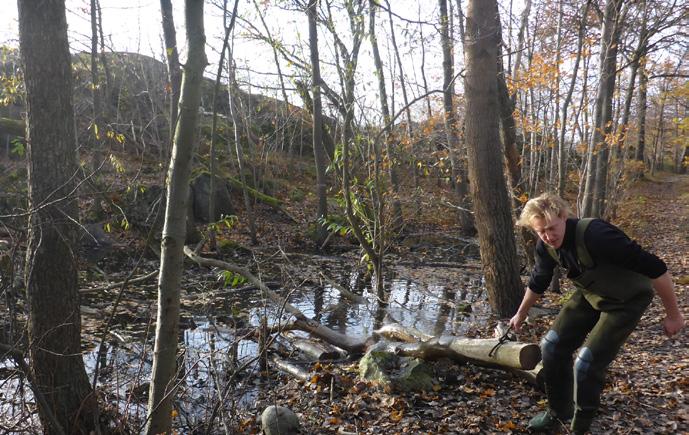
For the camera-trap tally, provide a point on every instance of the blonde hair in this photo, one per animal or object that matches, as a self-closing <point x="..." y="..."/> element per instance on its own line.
<point x="546" y="206"/>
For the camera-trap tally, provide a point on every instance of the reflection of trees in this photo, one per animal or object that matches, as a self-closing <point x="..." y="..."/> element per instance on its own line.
<point x="444" y="311"/>
<point x="318" y="303"/>
<point x="379" y="314"/>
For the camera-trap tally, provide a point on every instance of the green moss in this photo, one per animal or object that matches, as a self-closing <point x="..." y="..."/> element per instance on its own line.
<point x="227" y="246"/>
<point x="297" y="195"/>
<point x="400" y="373"/>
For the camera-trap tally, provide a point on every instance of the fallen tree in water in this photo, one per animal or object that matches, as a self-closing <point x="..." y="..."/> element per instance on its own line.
<point x="512" y="356"/>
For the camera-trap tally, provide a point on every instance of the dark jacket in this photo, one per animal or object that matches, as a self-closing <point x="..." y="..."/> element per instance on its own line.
<point x="605" y="243"/>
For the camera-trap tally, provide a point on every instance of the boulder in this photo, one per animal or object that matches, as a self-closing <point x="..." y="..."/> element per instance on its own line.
<point x="201" y="187"/>
<point x="399" y="373"/>
<point x="278" y="420"/>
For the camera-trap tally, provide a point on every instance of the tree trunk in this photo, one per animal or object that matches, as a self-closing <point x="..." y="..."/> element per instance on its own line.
<point x="488" y="187"/>
<point x="51" y="269"/>
<point x="12" y="127"/>
<point x="173" y="71"/>
<point x="597" y="156"/>
<point x="510" y="355"/>
<point x="389" y="146"/>
<point x="609" y="75"/>
<point x="512" y="143"/>
<point x="161" y="393"/>
<point x="237" y="125"/>
<point x="451" y="129"/>
<point x="641" y="122"/>
<point x="657" y="160"/>
<point x="317" y="120"/>
<point x="97" y="122"/>
<point x="214" y="122"/>
<point x="403" y="86"/>
<point x="429" y="113"/>
<point x="107" y="86"/>
<point x="562" y="147"/>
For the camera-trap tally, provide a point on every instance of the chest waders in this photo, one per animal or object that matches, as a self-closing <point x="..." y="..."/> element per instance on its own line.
<point x="601" y="313"/>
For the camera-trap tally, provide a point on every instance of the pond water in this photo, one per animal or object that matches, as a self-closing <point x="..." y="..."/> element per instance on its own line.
<point x="433" y="300"/>
<point x="216" y="361"/>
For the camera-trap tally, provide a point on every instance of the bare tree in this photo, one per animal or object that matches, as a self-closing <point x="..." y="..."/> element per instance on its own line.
<point x="57" y="368"/>
<point x="173" y="69"/>
<point x="451" y="128"/>
<point x="597" y="157"/>
<point x="317" y="118"/>
<point x="214" y="121"/>
<point x="491" y="203"/>
<point x="383" y="96"/>
<point x="96" y="123"/>
<point x="162" y="388"/>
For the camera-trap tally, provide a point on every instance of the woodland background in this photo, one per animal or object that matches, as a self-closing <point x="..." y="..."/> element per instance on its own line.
<point x="395" y="139"/>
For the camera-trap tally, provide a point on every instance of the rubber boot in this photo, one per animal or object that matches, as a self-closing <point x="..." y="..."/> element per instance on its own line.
<point x="543" y="422"/>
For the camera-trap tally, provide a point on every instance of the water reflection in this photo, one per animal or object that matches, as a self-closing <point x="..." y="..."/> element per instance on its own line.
<point x="212" y="352"/>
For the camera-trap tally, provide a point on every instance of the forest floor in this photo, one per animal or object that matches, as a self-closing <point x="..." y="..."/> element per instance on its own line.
<point x="646" y="390"/>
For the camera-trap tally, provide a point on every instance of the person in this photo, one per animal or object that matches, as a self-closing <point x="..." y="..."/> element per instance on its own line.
<point x="614" y="280"/>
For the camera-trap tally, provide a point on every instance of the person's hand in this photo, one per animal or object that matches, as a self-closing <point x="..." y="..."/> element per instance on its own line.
<point x="517" y="320"/>
<point x="672" y="325"/>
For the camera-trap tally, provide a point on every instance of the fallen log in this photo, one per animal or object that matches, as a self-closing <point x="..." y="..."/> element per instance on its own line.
<point x="352" y="345"/>
<point x="397" y="332"/>
<point x="12" y="127"/>
<point x="357" y="299"/>
<point x="534" y="376"/>
<point x="271" y="201"/>
<point x="315" y="350"/>
<point x="291" y="369"/>
<point x="509" y="355"/>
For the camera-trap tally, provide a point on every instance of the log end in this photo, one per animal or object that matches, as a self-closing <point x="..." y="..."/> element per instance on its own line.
<point x="529" y="356"/>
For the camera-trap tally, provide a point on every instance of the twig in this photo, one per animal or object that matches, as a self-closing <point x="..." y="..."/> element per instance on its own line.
<point x="18" y="358"/>
<point x="119" y="284"/>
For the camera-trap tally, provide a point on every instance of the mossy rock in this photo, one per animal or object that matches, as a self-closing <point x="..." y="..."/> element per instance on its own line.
<point x="399" y="373"/>
<point x="297" y="195"/>
<point x="229" y="247"/>
<point x="312" y="231"/>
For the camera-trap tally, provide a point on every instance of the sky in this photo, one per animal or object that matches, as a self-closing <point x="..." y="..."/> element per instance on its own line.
<point x="135" y="26"/>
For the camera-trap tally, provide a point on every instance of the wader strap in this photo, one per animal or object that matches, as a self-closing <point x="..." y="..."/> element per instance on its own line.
<point x="583" y="253"/>
<point x="553" y="253"/>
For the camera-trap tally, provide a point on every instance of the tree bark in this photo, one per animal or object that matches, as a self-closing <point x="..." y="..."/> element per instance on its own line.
<point x="451" y="128"/>
<point x="510" y="355"/>
<point x="641" y="120"/>
<point x="161" y="393"/>
<point x="51" y="269"/>
<point x="488" y="187"/>
<point x="383" y="96"/>
<point x="97" y="122"/>
<point x="317" y="121"/>
<point x="214" y="122"/>
<point x="562" y="147"/>
<point x="597" y="156"/>
<point x="173" y="70"/>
